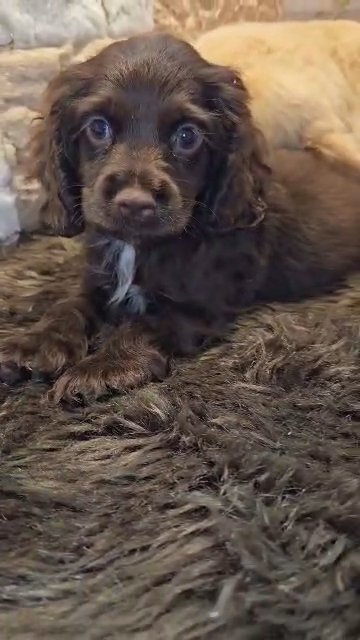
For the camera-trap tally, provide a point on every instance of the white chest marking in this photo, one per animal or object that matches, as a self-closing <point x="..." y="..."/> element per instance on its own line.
<point x="125" y="290"/>
<point x="124" y="264"/>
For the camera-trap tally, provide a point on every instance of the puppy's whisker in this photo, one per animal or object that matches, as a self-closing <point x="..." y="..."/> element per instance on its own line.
<point x="68" y="187"/>
<point x="199" y="203"/>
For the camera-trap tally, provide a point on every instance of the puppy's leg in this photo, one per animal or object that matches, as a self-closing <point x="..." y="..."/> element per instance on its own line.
<point x="127" y="359"/>
<point x="334" y="141"/>
<point x="58" y="340"/>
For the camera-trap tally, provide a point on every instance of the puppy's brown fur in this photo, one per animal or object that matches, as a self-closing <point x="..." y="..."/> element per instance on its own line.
<point x="154" y="153"/>
<point x="303" y="79"/>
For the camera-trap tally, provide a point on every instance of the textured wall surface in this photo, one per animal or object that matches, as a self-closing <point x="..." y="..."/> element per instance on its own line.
<point x="32" y="23"/>
<point x="191" y="16"/>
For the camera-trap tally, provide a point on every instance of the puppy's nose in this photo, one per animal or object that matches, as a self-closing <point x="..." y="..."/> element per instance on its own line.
<point x="135" y="202"/>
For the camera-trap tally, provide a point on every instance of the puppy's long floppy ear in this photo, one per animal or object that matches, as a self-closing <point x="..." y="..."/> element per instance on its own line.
<point x="239" y="174"/>
<point x="51" y="159"/>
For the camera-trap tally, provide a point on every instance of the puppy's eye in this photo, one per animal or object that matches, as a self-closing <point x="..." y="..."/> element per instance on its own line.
<point x="98" y="130"/>
<point x="186" y="140"/>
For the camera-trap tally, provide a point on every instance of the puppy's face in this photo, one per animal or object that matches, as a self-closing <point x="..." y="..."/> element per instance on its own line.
<point x="135" y="141"/>
<point x="143" y="145"/>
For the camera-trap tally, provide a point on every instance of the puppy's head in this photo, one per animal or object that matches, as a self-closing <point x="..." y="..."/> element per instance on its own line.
<point x="145" y="140"/>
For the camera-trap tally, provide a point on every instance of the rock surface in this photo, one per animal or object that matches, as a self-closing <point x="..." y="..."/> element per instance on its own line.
<point x="24" y="75"/>
<point x="35" y="23"/>
<point x="9" y="220"/>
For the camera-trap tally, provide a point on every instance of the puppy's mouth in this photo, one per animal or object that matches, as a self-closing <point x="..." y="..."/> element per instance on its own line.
<point x="138" y="225"/>
<point x="145" y="208"/>
<point x="135" y="228"/>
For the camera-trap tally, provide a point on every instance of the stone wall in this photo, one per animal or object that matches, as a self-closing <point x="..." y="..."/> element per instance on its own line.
<point x="43" y="23"/>
<point x="191" y="16"/>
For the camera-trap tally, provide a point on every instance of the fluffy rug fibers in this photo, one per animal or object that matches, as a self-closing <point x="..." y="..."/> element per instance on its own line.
<point x="223" y="503"/>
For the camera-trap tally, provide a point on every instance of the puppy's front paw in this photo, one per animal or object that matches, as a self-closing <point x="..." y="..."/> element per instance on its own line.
<point x="44" y="351"/>
<point x="96" y="375"/>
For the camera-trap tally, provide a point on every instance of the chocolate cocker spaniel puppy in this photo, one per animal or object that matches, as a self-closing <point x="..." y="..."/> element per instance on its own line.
<point x="152" y="152"/>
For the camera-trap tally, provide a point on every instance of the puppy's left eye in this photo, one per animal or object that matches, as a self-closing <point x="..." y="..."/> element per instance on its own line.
<point x="98" y="130"/>
<point x="186" y="140"/>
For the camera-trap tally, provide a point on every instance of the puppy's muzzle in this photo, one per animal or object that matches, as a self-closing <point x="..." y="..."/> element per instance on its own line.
<point x="134" y="203"/>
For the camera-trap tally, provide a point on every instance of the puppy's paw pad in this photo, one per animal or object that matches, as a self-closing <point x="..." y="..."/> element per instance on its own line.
<point x="42" y="352"/>
<point x="94" y="377"/>
<point x="77" y="384"/>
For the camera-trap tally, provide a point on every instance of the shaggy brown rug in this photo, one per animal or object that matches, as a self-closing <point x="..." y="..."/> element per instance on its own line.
<point x="223" y="503"/>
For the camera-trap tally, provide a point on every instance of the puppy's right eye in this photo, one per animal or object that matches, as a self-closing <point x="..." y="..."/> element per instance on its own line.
<point x="98" y="130"/>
